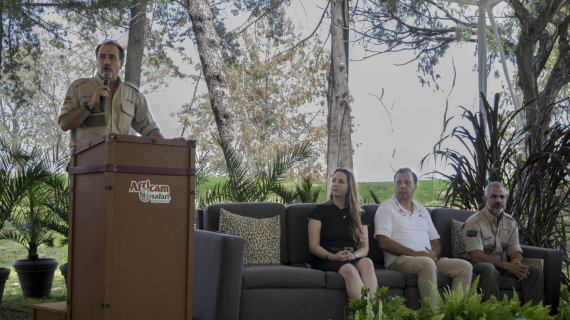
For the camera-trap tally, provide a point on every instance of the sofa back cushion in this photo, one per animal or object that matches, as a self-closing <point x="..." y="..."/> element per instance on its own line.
<point x="298" y="232"/>
<point x="258" y="210"/>
<point x="441" y="218"/>
<point x="374" y="252"/>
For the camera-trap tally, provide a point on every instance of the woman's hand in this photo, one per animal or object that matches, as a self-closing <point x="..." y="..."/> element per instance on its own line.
<point x="341" y="256"/>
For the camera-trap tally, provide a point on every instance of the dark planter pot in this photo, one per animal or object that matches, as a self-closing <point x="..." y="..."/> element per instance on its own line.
<point x="4" y="274"/>
<point x="63" y="269"/>
<point x="36" y="278"/>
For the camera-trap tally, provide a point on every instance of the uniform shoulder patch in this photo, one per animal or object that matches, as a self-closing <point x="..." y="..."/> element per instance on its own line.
<point x="471" y="233"/>
<point x="67" y="100"/>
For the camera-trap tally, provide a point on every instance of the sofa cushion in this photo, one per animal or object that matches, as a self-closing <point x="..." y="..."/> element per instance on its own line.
<point x="257" y="276"/>
<point x="441" y="218"/>
<point x="374" y="252"/>
<point x="386" y="278"/>
<point x="297" y="216"/>
<point x="261" y="236"/>
<point x="457" y="245"/>
<point x="256" y="210"/>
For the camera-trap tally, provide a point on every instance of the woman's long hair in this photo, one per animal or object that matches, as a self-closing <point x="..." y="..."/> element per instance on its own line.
<point x="356" y="227"/>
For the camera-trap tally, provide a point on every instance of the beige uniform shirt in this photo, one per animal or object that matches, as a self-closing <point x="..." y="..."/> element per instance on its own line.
<point x="481" y="232"/>
<point x="125" y="109"/>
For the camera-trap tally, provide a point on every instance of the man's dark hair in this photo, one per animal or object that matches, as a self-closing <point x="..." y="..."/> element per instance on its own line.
<point x="109" y="41"/>
<point x="404" y="170"/>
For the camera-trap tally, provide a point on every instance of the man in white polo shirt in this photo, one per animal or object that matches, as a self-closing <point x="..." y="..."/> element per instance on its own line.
<point x="410" y="242"/>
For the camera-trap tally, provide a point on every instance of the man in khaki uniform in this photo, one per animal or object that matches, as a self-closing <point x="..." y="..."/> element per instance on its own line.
<point x="125" y="107"/>
<point x="490" y="236"/>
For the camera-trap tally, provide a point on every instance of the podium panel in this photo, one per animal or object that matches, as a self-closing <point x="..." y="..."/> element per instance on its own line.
<point x="131" y="229"/>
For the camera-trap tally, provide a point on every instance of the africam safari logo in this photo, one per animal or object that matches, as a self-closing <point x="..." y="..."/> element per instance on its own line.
<point x="155" y="193"/>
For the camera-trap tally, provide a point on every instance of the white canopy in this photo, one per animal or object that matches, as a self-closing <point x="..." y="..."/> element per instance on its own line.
<point x="487" y="6"/>
<point x="481" y="3"/>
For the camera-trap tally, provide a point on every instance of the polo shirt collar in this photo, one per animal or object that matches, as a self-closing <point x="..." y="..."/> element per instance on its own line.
<point x="402" y="211"/>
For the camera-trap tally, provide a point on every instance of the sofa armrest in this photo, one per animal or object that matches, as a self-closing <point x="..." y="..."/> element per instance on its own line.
<point x="552" y="272"/>
<point x="200" y="219"/>
<point x="218" y="266"/>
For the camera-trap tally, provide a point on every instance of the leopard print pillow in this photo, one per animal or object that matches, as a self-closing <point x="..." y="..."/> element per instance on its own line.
<point x="457" y="245"/>
<point x="262" y="236"/>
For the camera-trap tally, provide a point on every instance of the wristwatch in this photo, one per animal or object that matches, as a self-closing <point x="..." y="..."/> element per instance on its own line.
<point x="87" y="107"/>
<point x="438" y="256"/>
<point x="356" y="256"/>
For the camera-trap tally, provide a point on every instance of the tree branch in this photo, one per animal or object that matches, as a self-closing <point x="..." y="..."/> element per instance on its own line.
<point x="307" y="38"/>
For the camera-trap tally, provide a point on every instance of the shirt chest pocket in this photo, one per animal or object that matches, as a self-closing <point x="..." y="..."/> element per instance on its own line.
<point x="126" y="116"/>
<point x="488" y="239"/>
<point x="505" y="238"/>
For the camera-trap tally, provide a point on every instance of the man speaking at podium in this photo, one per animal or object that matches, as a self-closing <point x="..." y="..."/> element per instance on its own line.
<point x="104" y="103"/>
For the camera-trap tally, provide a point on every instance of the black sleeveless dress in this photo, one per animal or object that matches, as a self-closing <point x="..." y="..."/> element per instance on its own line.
<point x="335" y="232"/>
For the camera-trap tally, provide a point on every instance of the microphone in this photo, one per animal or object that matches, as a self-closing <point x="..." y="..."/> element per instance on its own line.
<point x="106" y="79"/>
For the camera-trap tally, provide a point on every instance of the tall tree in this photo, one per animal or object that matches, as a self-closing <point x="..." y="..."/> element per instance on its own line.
<point x="137" y="25"/>
<point x="339" y="152"/>
<point x="529" y="32"/>
<point x="216" y="76"/>
<point x="279" y="96"/>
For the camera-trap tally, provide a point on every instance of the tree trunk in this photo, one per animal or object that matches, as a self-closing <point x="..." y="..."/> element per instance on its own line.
<point x="135" y="47"/>
<point x="339" y="152"/>
<point x="216" y="77"/>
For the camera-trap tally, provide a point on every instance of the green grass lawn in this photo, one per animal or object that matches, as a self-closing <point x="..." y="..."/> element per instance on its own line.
<point x="427" y="193"/>
<point x="14" y="305"/>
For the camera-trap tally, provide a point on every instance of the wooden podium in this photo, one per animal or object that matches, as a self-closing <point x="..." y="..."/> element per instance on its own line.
<point x="131" y="229"/>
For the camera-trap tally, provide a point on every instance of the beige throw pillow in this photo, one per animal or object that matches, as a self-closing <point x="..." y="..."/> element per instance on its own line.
<point x="262" y="236"/>
<point x="457" y="245"/>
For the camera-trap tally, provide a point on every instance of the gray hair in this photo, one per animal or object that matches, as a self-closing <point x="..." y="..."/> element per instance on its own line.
<point x="494" y="184"/>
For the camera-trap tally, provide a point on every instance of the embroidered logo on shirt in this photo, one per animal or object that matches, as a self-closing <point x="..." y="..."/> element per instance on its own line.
<point x="471" y="233"/>
<point x="507" y="231"/>
<point x="68" y="99"/>
<point x="129" y="101"/>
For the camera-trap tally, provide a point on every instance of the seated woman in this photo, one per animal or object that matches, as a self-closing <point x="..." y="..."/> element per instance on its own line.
<point x="338" y="236"/>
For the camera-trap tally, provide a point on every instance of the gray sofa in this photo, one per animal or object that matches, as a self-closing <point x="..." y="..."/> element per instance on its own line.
<point x="225" y="288"/>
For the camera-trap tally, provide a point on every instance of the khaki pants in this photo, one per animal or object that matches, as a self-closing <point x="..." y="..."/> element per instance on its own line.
<point x="427" y="270"/>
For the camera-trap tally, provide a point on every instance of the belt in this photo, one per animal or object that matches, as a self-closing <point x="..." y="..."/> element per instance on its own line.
<point x="351" y="249"/>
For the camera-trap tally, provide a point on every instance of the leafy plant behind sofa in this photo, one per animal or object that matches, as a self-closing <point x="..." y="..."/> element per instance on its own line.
<point x="538" y="183"/>
<point x="245" y="186"/>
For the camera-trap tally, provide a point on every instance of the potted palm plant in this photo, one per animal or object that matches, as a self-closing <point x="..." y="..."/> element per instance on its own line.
<point x="26" y="189"/>
<point x="58" y="204"/>
<point x="5" y="211"/>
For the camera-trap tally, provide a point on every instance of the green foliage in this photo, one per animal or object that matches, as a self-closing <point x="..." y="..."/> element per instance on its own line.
<point x="58" y="204"/>
<point x="564" y="306"/>
<point x="454" y="305"/>
<point x="27" y="190"/>
<point x="244" y="186"/>
<point x="457" y="305"/>
<point x="535" y="172"/>
<point x="306" y="192"/>
<point x="366" y="308"/>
